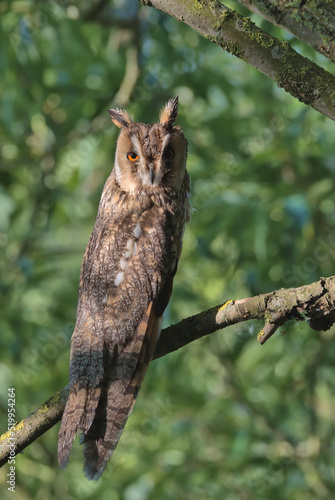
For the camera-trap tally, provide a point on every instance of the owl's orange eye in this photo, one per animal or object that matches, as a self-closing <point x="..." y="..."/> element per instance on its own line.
<point x="132" y="156"/>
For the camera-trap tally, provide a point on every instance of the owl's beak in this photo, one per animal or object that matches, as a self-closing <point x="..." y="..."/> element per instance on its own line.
<point x="151" y="174"/>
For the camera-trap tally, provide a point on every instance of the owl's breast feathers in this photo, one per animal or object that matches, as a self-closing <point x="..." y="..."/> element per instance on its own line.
<point x="125" y="285"/>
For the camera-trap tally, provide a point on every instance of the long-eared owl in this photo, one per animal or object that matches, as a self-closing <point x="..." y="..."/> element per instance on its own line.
<point x="125" y="283"/>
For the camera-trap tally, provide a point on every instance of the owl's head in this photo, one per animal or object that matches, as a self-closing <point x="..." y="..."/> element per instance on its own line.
<point x="150" y="158"/>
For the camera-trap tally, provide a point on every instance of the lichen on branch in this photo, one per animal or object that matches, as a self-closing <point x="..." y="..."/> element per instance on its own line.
<point x="313" y="21"/>
<point x="238" y="35"/>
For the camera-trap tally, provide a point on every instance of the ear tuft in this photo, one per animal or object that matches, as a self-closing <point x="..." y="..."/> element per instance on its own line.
<point x="120" y="117"/>
<point x="169" y="112"/>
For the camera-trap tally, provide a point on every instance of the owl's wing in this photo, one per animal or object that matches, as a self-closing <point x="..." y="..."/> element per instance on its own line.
<point x="101" y="412"/>
<point x="118" y="396"/>
<point x="85" y="391"/>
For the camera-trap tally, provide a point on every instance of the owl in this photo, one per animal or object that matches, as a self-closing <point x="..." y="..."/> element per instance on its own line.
<point x="125" y="283"/>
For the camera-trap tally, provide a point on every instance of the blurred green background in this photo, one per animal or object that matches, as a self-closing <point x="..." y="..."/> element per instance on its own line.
<point x="223" y="417"/>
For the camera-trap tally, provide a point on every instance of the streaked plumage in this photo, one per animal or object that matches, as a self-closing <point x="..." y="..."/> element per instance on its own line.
<point x="125" y="283"/>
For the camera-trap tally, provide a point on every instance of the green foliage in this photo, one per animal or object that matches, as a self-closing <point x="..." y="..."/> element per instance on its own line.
<point x="224" y="417"/>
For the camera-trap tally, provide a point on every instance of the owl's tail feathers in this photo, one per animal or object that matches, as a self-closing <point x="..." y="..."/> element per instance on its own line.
<point x="78" y="414"/>
<point x="118" y="396"/>
<point x="85" y="391"/>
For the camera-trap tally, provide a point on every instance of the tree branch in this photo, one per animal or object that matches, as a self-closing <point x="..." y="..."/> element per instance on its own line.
<point x="314" y="303"/>
<point x="312" y="22"/>
<point x="236" y="34"/>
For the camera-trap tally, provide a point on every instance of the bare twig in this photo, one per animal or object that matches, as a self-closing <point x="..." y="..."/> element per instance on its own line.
<point x="314" y="303"/>
<point x="131" y="76"/>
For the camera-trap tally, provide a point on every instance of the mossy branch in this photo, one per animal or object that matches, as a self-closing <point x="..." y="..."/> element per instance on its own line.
<point x="236" y="34"/>
<point x="313" y="22"/>
<point x="314" y="303"/>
